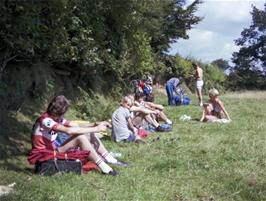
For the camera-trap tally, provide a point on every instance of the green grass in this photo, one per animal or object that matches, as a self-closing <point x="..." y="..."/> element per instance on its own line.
<point x="196" y="161"/>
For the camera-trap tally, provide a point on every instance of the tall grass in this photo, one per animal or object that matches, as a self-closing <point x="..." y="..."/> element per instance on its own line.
<point x="196" y="161"/>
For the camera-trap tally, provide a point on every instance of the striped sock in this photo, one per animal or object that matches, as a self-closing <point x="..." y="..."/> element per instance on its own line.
<point x="109" y="158"/>
<point x="103" y="166"/>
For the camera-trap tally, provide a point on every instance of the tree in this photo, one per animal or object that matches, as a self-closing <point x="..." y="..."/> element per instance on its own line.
<point x="252" y="53"/>
<point x="221" y="63"/>
<point x="250" y="61"/>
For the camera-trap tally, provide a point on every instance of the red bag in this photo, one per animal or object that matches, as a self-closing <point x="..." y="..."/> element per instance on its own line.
<point x="143" y="133"/>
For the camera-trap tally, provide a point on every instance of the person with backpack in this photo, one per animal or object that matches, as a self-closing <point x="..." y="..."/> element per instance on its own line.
<point x="171" y="86"/>
<point x="82" y="137"/>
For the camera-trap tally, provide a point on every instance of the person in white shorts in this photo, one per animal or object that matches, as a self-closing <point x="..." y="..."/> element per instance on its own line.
<point x="199" y="81"/>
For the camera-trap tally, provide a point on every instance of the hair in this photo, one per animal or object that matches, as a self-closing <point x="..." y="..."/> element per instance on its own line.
<point x="194" y="64"/>
<point x="150" y="98"/>
<point x="214" y="92"/>
<point x="126" y="99"/>
<point x="139" y="95"/>
<point x="58" y="106"/>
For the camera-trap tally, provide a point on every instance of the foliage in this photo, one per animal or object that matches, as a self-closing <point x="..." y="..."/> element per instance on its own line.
<point x="222" y="64"/>
<point x="118" y="38"/>
<point x="250" y="60"/>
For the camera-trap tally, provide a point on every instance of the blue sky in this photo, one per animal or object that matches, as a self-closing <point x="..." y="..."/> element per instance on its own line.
<point x="213" y="38"/>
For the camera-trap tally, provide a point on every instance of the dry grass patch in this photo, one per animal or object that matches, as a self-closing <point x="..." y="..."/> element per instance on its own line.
<point x="247" y="95"/>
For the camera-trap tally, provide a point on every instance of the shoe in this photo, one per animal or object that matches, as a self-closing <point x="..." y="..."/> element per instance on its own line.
<point x="112" y="173"/>
<point x="140" y="141"/>
<point x="201" y="104"/>
<point x="120" y="164"/>
<point x="160" y="129"/>
<point x="164" y="128"/>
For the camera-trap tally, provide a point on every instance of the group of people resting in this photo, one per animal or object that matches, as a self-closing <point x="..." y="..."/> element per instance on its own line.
<point x="133" y="114"/>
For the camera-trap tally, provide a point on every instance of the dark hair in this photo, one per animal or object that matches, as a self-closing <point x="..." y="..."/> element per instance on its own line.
<point x="194" y="64"/>
<point x="58" y="106"/>
<point x="150" y="98"/>
<point x="139" y="95"/>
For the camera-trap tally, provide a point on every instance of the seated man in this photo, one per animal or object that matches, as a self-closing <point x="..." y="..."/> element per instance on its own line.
<point x="159" y="114"/>
<point x="52" y="123"/>
<point x="142" y="116"/>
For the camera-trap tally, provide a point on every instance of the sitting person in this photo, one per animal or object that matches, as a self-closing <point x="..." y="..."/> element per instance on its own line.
<point x="214" y="109"/>
<point x="52" y="123"/>
<point x="159" y="114"/>
<point x="145" y="117"/>
<point x="123" y="128"/>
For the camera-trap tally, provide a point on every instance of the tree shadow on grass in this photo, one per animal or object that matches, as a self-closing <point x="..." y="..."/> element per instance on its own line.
<point x="14" y="137"/>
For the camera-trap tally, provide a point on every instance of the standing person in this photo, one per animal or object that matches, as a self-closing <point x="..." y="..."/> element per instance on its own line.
<point x="52" y="123"/>
<point x="199" y="81"/>
<point x="171" y="86"/>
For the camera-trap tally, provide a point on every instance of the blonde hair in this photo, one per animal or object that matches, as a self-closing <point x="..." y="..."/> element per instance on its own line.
<point x="126" y="99"/>
<point x="214" y="92"/>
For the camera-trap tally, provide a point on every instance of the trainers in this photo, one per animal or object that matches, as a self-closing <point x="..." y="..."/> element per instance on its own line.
<point x="140" y="141"/>
<point x="160" y="129"/>
<point x="120" y="163"/>
<point x="112" y="173"/>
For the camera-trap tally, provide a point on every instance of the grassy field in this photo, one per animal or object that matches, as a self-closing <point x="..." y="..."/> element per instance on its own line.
<point x="196" y="161"/>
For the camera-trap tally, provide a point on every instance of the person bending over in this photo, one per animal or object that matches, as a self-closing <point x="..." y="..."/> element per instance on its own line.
<point x="52" y="123"/>
<point x="214" y="109"/>
<point x="170" y="87"/>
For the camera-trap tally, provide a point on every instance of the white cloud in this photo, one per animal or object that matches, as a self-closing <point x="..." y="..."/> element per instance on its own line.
<point x="213" y="38"/>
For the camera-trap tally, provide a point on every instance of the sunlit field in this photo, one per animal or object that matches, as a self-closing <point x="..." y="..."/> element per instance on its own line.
<point x="196" y="161"/>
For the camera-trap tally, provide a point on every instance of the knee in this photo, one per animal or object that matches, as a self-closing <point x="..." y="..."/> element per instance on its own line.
<point x="82" y="139"/>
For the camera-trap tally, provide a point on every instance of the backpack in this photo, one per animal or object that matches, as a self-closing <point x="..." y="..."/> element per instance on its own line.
<point x="147" y="90"/>
<point x="51" y="167"/>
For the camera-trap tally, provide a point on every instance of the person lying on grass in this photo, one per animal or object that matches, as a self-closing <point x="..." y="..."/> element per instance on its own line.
<point x="123" y="128"/>
<point x="144" y="117"/>
<point x="52" y="123"/>
<point x="214" y="109"/>
<point x="159" y="116"/>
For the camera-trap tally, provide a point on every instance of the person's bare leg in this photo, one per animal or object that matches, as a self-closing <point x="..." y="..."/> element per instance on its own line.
<point x="164" y="118"/>
<point x="100" y="148"/>
<point x="199" y="94"/>
<point x="83" y="142"/>
<point x="138" y="120"/>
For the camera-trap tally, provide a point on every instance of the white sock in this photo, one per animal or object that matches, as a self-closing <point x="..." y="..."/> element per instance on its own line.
<point x="168" y="121"/>
<point x="109" y="158"/>
<point x="103" y="166"/>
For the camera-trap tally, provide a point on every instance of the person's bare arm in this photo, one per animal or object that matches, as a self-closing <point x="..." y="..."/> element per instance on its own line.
<point x="76" y="130"/>
<point x="224" y="110"/>
<point x="203" y="115"/>
<point x="143" y="110"/>
<point x="88" y="124"/>
<point x="154" y="105"/>
<point x="131" y="126"/>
